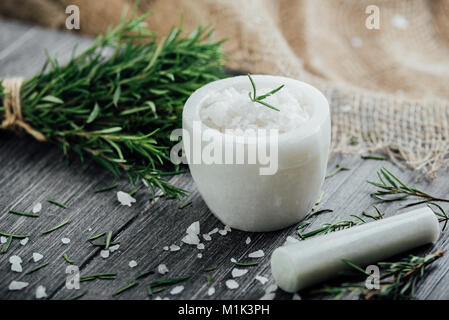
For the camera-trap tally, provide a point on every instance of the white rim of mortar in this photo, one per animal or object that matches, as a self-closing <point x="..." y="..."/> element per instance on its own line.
<point x="314" y="98"/>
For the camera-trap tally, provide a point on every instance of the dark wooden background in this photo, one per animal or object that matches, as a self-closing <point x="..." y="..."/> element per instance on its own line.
<point x="32" y="172"/>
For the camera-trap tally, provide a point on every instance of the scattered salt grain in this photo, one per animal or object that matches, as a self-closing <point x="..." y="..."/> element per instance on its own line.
<point x="41" y="292"/>
<point x="37" y="207"/>
<point x="191" y="238"/>
<point x="165" y="248"/>
<point x="222" y="232"/>
<point x="199" y="255"/>
<point x="132" y="264"/>
<point x="200" y="246"/>
<point x="194" y="228"/>
<point x="215" y="230"/>
<point x="114" y="248"/>
<point x="162" y="269"/>
<point x="17" y="285"/>
<point x="104" y="253"/>
<point x="261" y="279"/>
<point x="227" y="228"/>
<point x="174" y="247"/>
<point x="65" y="240"/>
<point x="256" y="254"/>
<point x="37" y="256"/>
<point x="296" y="297"/>
<point x="207" y="237"/>
<point x="3" y="239"/>
<point x="176" y="290"/>
<point x="399" y="22"/>
<point x="211" y="291"/>
<point x="125" y="199"/>
<point x="248" y="240"/>
<point x="238" y="272"/>
<point x="16" y="263"/>
<point x="233" y="260"/>
<point x="232" y="284"/>
<point x="24" y="241"/>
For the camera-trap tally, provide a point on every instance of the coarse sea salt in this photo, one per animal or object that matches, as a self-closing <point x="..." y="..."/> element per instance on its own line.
<point x="248" y="240"/>
<point x="232" y="284"/>
<point x="174" y="247"/>
<point x="3" y="239"/>
<point x="207" y="237"/>
<point x="232" y="109"/>
<point x="200" y="246"/>
<point x="256" y="254"/>
<point x="162" y="269"/>
<point x="24" y="241"/>
<point x="37" y="256"/>
<point x="238" y="272"/>
<point x="194" y="228"/>
<point x="37" y="208"/>
<point x="125" y="199"/>
<point x="41" y="292"/>
<point x="261" y="279"/>
<point x="65" y="240"/>
<point x="104" y="254"/>
<point x="17" y="285"/>
<point x="210" y="291"/>
<point x="191" y="238"/>
<point x="114" y="248"/>
<point x="176" y="290"/>
<point x="132" y="264"/>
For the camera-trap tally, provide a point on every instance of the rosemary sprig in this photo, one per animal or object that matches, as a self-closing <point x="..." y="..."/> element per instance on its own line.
<point x="55" y="228"/>
<point x="397" y="280"/>
<point x="56" y="203"/>
<point x="337" y="225"/>
<point x="390" y="188"/>
<point x="119" y="100"/>
<point x="23" y="213"/>
<point x="258" y="99"/>
<point x="100" y="276"/>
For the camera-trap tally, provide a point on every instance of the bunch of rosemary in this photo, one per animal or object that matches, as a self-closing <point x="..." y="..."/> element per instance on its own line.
<point x="119" y="100"/>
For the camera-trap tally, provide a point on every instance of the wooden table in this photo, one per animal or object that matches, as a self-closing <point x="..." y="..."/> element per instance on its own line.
<point x="32" y="172"/>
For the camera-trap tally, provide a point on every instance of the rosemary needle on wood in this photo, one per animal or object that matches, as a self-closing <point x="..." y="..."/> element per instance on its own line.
<point x="337" y="169"/>
<point x="112" y="186"/>
<point x="19" y="236"/>
<point x="78" y="296"/>
<point x="96" y="236"/>
<point x="374" y="157"/>
<point x="23" y="213"/>
<point x="6" y="245"/>
<point x="246" y="264"/>
<point x="55" y="228"/>
<point x="185" y="204"/>
<point x="56" y="203"/>
<point x="129" y="286"/>
<point x="66" y="257"/>
<point x="37" y="268"/>
<point x="167" y="281"/>
<point x="108" y="240"/>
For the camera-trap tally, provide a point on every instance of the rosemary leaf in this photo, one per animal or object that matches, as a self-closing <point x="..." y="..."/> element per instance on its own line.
<point x="112" y="186"/>
<point x="129" y="286"/>
<point x="246" y="264"/>
<point x="37" y="268"/>
<point x="19" y="236"/>
<point x="6" y="245"/>
<point x="22" y="213"/>
<point x="55" y="228"/>
<point x="56" y="203"/>
<point x="374" y="157"/>
<point x="185" y="204"/>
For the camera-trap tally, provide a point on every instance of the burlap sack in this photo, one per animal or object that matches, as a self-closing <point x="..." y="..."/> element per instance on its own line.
<point x="387" y="86"/>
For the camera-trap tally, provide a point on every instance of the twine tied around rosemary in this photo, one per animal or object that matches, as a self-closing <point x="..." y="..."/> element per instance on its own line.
<point x="13" y="117"/>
